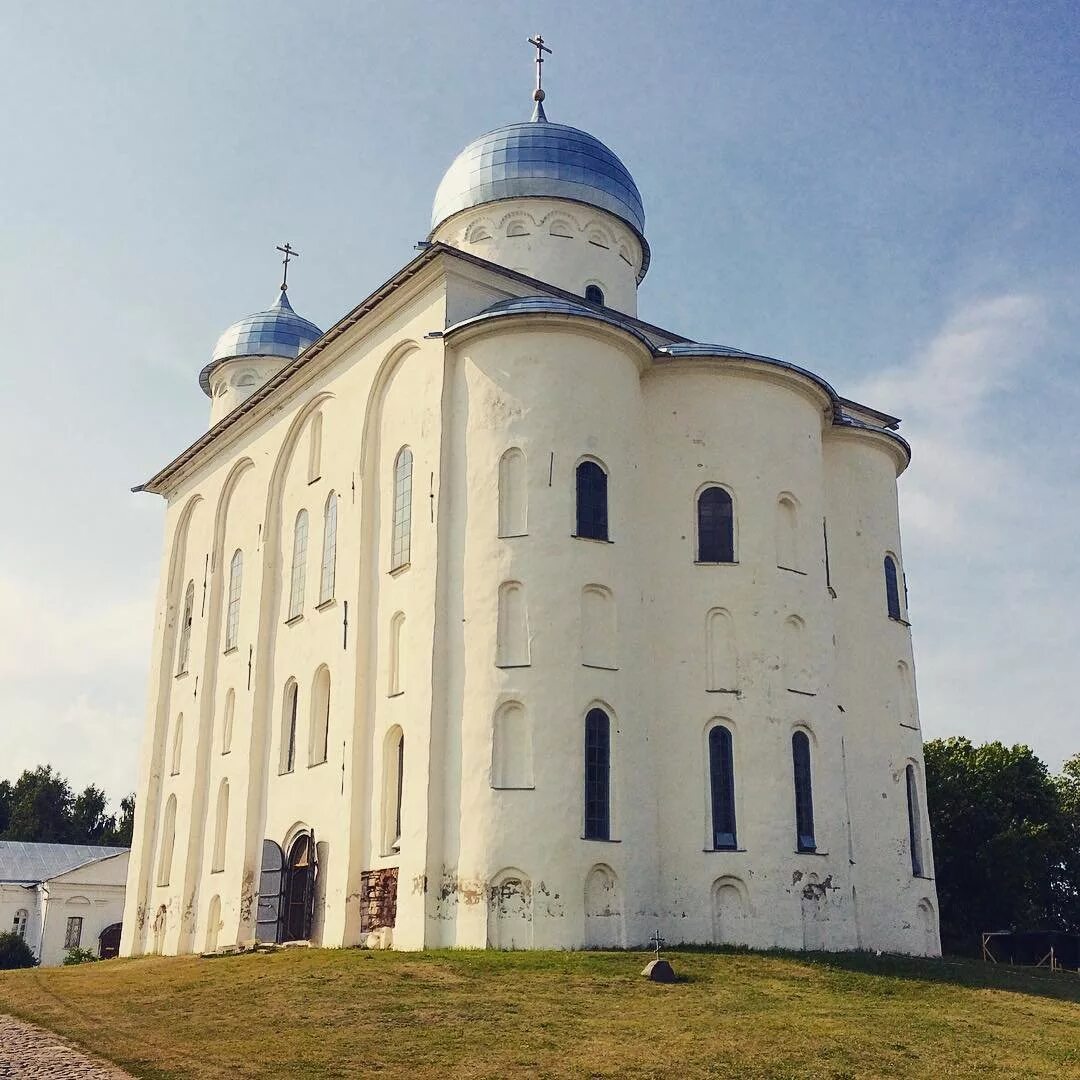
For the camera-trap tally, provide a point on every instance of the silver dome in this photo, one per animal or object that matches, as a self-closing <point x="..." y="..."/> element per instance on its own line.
<point x="539" y="158"/>
<point x="278" y="331"/>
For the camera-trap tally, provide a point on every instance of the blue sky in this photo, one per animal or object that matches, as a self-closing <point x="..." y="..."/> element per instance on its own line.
<point x="886" y="193"/>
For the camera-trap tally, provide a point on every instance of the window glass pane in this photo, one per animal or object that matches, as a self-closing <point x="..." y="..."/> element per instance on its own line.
<point x="592" y="501"/>
<point x="804" y="800"/>
<point x="892" y="592"/>
<point x="329" y="556"/>
<point x="400" y="541"/>
<point x="722" y="781"/>
<point x="299" y="565"/>
<point x="914" y="820"/>
<point x="232" y="622"/>
<point x="597" y="775"/>
<point x="716" y="533"/>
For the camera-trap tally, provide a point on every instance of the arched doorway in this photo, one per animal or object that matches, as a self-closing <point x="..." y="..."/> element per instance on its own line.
<point x="299" y="893"/>
<point x="109" y="942"/>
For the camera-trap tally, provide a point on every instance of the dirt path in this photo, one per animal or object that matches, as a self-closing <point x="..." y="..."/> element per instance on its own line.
<point x="31" y="1053"/>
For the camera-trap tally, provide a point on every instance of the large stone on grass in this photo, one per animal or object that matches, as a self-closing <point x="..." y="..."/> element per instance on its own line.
<point x="659" y="971"/>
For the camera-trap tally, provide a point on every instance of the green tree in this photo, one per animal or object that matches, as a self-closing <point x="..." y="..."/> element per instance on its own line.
<point x="126" y="825"/>
<point x="41" y="803"/>
<point x="1069" y="792"/>
<point x="89" y="823"/>
<point x="6" y="792"/>
<point x="1001" y="840"/>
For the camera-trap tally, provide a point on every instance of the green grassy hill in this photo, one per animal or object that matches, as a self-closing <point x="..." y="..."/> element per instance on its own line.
<point x="348" y="1013"/>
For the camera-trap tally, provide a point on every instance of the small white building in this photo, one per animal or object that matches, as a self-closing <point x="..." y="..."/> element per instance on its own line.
<point x="498" y="616"/>
<point x="62" y="896"/>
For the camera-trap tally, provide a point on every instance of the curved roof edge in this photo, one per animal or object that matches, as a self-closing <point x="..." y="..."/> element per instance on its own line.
<point x="548" y="305"/>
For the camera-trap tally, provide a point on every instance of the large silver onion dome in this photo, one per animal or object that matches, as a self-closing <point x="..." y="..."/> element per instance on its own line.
<point x="539" y="158"/>
<point x="278" y="331"/>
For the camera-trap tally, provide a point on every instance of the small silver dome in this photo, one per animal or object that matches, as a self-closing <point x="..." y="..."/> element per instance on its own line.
<point x="278" y="331"/>
<point x="541" y="159"/>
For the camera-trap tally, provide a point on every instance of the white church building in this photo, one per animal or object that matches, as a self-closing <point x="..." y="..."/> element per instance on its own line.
<point x="495" y="616"/>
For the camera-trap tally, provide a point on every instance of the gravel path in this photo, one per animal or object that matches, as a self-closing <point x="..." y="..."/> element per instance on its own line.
<point x="30" y="1053"/>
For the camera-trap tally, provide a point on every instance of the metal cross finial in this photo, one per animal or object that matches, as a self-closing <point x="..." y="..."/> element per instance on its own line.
<point x="657" y="942"/>
<point x="290" y="253"/>
<point x="541" y="48"/>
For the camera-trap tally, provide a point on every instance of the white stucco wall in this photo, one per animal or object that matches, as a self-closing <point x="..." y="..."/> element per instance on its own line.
<point x="94" y="893"/>
<point x="568" y="244"/>
<point x="472" y="850"/>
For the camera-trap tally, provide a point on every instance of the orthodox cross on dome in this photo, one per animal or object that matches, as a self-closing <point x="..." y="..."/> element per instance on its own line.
<point x="538" y="93"/>
<point x="290" y="253"/>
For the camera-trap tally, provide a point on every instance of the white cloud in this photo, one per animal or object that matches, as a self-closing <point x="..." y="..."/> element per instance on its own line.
<point x="961" y="467"/>
<point x="987" y="519"/>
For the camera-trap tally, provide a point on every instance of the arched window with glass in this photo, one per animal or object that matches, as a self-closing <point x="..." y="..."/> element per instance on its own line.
<point x="715" y="526"/>
<point x="401" y="533"/>
<point x="184" y="650"/>
<point x="232" y="618"/>
<point x="328" y="577"/>
<point x="914" y="816"/>
<point x="287" y="761"/>
<point x="592" y="501"/>
<point x="804" y="793"/>
<point x="892" y="588"/>
<point x="594" y="294"/>
<point x="298" y="576"/>
<point x="597" y="775"/>
<point x="722" y="788"/>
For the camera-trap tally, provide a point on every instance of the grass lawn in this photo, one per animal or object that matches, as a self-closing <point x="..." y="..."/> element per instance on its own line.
<point x="349" y="1013"/>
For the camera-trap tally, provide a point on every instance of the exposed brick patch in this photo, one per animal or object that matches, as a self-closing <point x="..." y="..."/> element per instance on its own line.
<point x="378" y="899"/>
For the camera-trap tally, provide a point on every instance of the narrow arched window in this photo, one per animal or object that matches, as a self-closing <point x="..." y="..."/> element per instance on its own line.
<point x="804" y="794"/>
<point x="320" y="716"/>
<point x="168" y="838"/>
<point x="288" y="728"/>
<point x="227" y="724"/>
<point x="597" y="775"/>
<point x="18" y="927"/>
<point x="914" y="819"/>
<point x="722" y="788"/>
<point x="315" y="449"/>
<point x="892" y="588"/>
<point x="594" y="294"/>
<point x="393" y="785"/>
<point x="512" y="630"/>
<point x="221" y="826"/>
<point x="232" y="619"/>
<point x="185" y="629"/>
<point x="513" y="496"/>
<point x="511" y="747"/>
<point x="598" y="636"/>
<point x="397" y="660"/>
<point x="715" y="526"/>
<point x="787" y="533"/>
<point x="328" y="576"/>
<point x="299" y="565"/>
<point x="721" y="667"/>
<point x="401" y="535"/>
<point x="592" y="501"/>
<point x="177" y="746"/>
